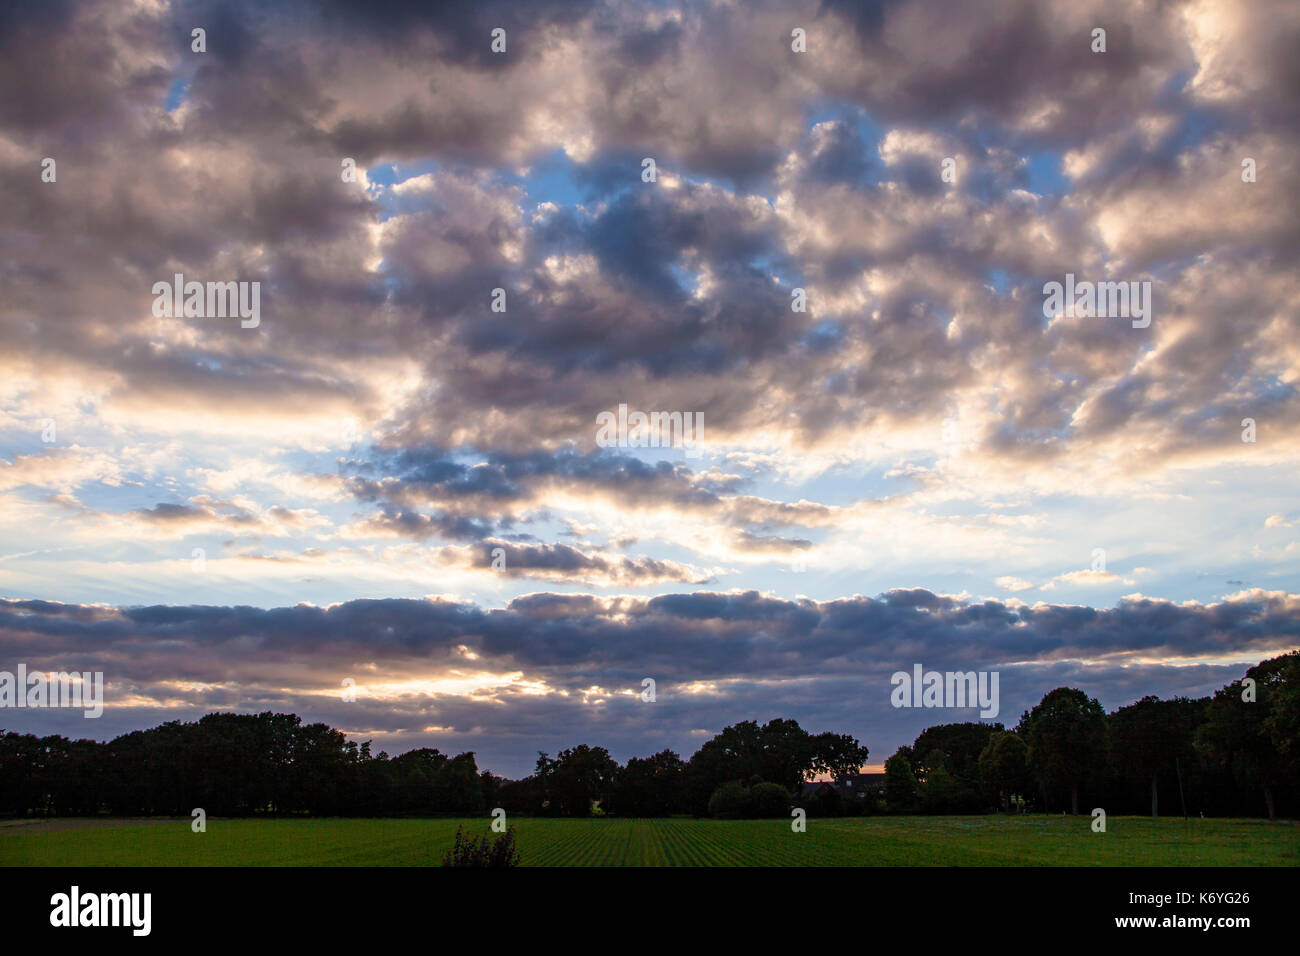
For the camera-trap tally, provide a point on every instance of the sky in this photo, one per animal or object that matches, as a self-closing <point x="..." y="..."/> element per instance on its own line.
<point x="396" y="476"/>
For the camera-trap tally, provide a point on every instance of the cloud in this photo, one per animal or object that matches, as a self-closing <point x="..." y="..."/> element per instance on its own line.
<point x="1009" y="583"/>
<point x="920" y="428"/>
<point x="717" y="656"/>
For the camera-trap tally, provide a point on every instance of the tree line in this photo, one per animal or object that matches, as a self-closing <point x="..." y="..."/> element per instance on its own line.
<point x="1236" y="752"/>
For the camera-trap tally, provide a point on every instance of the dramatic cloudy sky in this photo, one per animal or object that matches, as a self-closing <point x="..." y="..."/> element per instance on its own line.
<point x="919" y="468"/>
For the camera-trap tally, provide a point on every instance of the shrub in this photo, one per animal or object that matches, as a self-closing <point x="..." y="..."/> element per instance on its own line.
<point x="731" y="801"/>
<point x="735" y="801"/>
<point x="827" y="804"/>
<point x="769" y="800"/>
<point x="468" y="852"/>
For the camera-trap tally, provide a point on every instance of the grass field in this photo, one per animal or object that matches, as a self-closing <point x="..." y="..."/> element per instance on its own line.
<point x="878" y="841"/>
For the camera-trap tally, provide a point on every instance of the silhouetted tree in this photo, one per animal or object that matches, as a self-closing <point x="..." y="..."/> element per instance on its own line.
<point x="1066" y="734"/>
<point x="951" y="782"/>
<point x="900" y="782"/>
<point x="1153" y="737"/>
<point x="1250" y="738"/>
<point x="575" y="779"/>
<point x="649" y="786"/>
<point x="1004" y="767"/>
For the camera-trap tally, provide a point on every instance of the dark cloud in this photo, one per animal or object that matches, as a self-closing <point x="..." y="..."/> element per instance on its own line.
<point x="716" y="658"/>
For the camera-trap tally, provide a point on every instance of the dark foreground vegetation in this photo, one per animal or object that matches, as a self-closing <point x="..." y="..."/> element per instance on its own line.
<point x="497" y="853"/>
<point x="1236" y="753"/>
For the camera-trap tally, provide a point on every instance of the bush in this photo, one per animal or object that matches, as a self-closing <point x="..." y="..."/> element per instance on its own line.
<point x="769" y="800"/>
<point x="468" y="852"/>
<point x="735" y="801"/>
<point x="731" y="801"/>
<point x="827" y="804"/>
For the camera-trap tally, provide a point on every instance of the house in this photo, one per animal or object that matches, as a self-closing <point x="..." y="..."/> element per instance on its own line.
<point x="859" y="786"/>
<point x="816" y="790"/>
<point x="856" y="786"/>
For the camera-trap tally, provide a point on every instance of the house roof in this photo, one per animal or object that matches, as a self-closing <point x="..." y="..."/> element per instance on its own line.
<point x="814" y="787"/>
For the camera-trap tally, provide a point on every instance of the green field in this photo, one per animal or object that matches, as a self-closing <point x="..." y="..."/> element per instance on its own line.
<point x="878" y="841"/>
